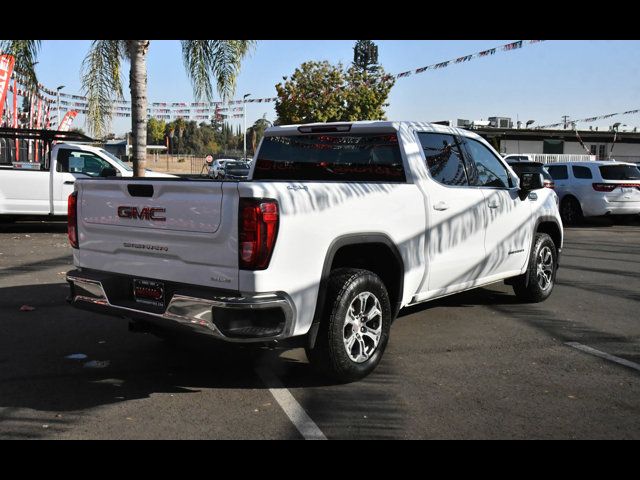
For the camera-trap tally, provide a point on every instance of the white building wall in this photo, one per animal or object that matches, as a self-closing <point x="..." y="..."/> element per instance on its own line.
<point x="623" y="152"/>
<point x="520" y="146"/>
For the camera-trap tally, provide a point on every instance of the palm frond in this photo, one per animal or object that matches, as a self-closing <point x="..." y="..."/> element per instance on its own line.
<point x="217" y="59"/>
<point x="25" y="53"/>
<point x="101" y="82"/>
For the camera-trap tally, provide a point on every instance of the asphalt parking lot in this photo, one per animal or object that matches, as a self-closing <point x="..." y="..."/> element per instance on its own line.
<point x="475" y="365"/>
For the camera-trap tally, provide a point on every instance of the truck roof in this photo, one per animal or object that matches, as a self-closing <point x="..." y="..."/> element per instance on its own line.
<point x="369" y="126"/>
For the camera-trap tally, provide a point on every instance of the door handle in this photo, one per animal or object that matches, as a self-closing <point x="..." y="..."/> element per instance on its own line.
<point x="494" y="204"/>
<point x="69" y="182"/>
<point x="441" y="206"/>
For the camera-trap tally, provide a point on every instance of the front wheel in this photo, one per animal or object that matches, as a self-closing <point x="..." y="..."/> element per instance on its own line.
<point x="355" y="328"/>
<point x="537" y="283"/>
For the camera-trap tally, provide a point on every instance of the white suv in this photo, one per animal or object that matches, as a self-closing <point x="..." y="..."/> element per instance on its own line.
<point x="589" y="189"/>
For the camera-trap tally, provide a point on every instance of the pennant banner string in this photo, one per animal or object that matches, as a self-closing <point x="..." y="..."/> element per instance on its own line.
<point x="591" y="119"/>
<point x="81" y="100"/>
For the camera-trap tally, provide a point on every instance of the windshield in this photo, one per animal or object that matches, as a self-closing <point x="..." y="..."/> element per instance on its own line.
<point x="620" y="172"/>
<point x="353" y="157"/>
<point x="115" y="159"/>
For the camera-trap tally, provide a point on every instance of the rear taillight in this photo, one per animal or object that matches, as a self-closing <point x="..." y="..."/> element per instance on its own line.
<point x="604" y="187"/>
<point x="257" y="232"/>
<point x="72" y="219"/>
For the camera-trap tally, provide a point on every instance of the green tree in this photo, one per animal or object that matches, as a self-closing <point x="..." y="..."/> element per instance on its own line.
<point x="204" y="60"/>
<point x="155" y="131"/>
<point x="321" y="92"/>
<point x="365" y="55"/>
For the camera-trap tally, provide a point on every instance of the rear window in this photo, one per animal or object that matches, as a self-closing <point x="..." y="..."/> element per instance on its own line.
<point x="620" y="172"/>
<point x="338" y="157"/>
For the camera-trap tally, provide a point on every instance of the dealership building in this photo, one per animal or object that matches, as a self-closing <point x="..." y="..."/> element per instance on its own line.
<point x="500" y="132"/>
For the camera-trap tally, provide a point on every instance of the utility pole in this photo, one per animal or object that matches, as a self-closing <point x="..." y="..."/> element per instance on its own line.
<point x="564" y="120"/>
<point x="244" y="118"/>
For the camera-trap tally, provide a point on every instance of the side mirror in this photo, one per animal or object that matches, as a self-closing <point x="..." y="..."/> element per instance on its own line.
<point x="531" y="181"/>
<point x="108" y="172"/>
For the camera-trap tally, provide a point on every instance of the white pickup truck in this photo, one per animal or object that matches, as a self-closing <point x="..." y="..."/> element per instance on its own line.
<point x="337" y="228"/>
<point x="39" y="189"/>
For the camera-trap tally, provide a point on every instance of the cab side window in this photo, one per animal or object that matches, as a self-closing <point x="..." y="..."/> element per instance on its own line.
<point x="484" y="168"/>
<point x="444" y="159"/>
<point x="76" y="161"/>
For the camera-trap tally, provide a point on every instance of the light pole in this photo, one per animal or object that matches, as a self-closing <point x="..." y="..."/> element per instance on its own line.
<point x="244" y="118"/>
<point x="58" y="95"/>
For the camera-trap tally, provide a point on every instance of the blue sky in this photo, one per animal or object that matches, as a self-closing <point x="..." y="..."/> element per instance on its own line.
<point x="541" y="81"/>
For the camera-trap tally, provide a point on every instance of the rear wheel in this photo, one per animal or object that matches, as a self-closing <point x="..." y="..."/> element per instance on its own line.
<point x="571" y="211"/>
<point x="537" y="283"/>
<point x="355" y="329"/>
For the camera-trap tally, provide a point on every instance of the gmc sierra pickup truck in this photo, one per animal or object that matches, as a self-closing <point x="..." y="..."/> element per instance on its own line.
<point x="338" y="227"/>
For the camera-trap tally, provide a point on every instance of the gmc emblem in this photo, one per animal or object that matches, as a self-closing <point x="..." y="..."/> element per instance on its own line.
<point x="147" y="213"/>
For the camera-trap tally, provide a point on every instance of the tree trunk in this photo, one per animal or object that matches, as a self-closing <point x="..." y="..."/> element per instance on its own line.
<point x="138" y="85"/>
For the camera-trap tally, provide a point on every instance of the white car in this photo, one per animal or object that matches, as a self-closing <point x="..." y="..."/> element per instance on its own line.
<point x="216" y="170"/>
<point x="338" y="226"/>
<point x="590" y="189"/>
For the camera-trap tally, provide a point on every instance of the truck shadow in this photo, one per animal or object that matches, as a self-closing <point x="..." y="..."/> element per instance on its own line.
<point x="33" y="226"/>
<point x="35" y="373"/>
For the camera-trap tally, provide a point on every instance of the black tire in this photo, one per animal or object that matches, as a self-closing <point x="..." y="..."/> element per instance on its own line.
<point x="329" y="354"/>
<point x="571" y="211"/>
<point x="530" y="287"/>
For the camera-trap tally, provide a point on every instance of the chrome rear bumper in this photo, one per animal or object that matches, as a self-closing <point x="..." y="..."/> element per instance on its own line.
<point x="194" y="312"/>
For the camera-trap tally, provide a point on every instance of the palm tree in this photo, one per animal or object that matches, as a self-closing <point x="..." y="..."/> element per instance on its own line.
<point x="256" y="131"/>
<point x="204" y="60"/>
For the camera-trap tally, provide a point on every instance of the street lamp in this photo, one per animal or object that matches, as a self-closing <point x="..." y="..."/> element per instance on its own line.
<point x="58" y="94"/>
<point x="244" y="118"/>
<point x="529" y="122"/>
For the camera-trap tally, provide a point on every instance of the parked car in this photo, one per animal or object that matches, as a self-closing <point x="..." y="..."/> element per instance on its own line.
<point x="589" y="189"/>
<point x="339" y="226"/>
<point x="216" y="170"/>
<point x="526" y="166"/>
<point x="236" y="170"/>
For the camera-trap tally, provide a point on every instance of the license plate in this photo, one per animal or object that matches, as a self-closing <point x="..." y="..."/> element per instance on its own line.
<point x="148" y="292"/>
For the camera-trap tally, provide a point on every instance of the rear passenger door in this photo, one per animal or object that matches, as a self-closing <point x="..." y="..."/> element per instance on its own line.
<point x="560" y="175"/>
<point x="456" y="217"/>
<point x="509" y="220"/>
<point x="582" y="182"/>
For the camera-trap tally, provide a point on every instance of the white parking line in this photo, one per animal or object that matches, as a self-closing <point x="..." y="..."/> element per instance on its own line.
<point x="604" y="355"/>
<point x="307" y="427"/>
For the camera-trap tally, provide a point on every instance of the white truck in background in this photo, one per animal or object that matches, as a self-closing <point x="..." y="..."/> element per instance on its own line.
<point x="337" y="228"/>
<point x="41" y="189"/>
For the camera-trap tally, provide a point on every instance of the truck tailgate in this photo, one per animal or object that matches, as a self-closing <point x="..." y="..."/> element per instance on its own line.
<point x="173" y="230"/>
